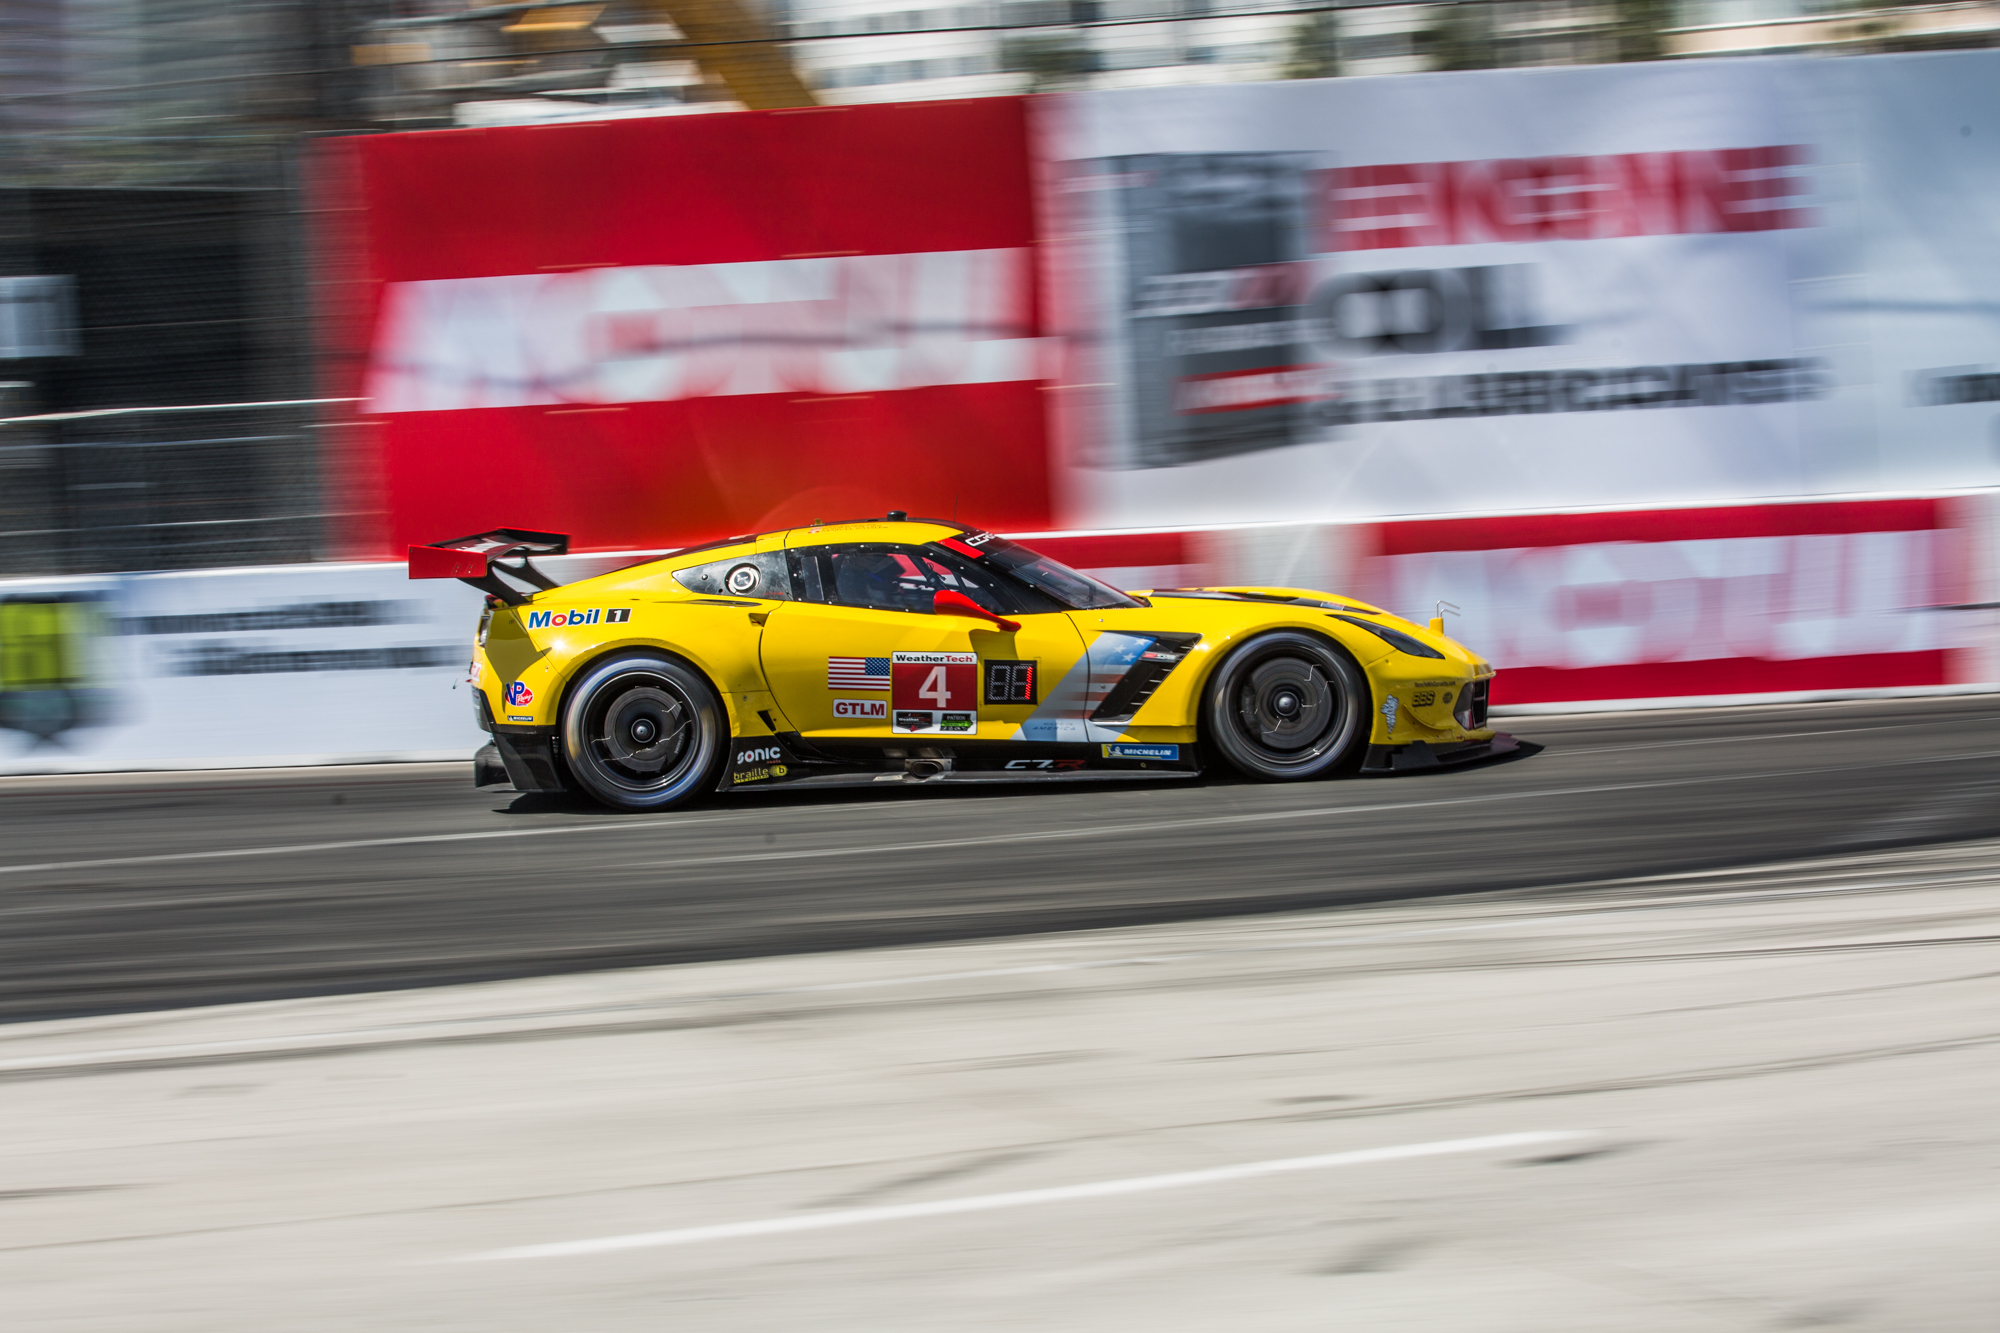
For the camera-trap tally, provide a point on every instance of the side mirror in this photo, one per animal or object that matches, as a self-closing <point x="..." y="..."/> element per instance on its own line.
<point x="948" y="603"/>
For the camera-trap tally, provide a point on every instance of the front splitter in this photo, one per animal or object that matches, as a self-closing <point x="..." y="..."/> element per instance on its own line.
<point x="1418" y="755"/>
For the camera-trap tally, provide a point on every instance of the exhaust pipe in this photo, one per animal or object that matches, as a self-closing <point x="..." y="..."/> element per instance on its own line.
<point x="923" y="769"/>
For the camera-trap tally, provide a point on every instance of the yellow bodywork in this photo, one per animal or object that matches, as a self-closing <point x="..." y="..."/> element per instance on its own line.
<point x="767" y="657"/>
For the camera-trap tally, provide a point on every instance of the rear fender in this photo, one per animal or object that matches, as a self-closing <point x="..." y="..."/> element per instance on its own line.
<point x="717" y="640"/>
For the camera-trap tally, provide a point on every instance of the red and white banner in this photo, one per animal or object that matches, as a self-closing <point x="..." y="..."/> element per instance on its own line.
<point x="1754" y="599"/>
<point x="647" y="332"/>
<point x="1696" y="604"/>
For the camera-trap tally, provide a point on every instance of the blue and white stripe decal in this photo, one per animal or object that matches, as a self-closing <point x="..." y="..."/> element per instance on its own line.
<point x="1064" y="714"/>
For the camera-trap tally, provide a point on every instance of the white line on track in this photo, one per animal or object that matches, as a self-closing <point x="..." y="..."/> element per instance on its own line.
<point x="979" y="1203"/>
<point x="621" y="826"/>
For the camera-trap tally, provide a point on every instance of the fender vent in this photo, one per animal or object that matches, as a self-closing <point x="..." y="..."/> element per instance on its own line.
<point x="1471" y="709"/>
<point x="1143" y="678"/>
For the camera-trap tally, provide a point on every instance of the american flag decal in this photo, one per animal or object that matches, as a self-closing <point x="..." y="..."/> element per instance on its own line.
<point x="857" y="673"/>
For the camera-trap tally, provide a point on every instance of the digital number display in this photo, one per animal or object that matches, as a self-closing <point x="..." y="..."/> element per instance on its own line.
<point x="1010" y="682"/>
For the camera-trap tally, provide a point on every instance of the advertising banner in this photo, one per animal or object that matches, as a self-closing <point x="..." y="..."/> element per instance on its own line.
<point x="1711" y="604"/>
<point x="1920" y="291"/>
<point x="653" y="331"/>
<point x="312" y="664"/>
<point x="1435" y="293"/>
<point x="1696" y="604"/>
<point x="1524" y="290"/>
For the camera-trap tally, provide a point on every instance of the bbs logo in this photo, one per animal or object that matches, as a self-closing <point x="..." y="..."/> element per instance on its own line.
<point x="762" y="754"/>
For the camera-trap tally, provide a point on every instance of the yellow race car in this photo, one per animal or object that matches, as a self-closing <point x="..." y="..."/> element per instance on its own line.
<point x="907" y="649"/>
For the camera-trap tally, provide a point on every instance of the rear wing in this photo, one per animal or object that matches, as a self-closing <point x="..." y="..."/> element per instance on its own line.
<point x="477" y="560"/>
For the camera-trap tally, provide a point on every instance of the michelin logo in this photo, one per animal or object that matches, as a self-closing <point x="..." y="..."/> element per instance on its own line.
<point x="1169" y="752"/>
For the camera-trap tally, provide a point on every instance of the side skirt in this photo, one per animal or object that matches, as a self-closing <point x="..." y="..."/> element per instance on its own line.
<point x="789" y="759"/>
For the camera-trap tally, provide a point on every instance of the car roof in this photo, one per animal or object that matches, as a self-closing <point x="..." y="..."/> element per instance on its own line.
<point x="914" y="530"/>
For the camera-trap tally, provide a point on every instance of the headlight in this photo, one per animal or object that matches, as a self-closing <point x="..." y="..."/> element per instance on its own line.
<point x="1395" y="638"/>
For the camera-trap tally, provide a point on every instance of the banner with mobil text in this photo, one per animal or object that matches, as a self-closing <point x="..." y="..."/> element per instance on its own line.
<point x="1704" y="605"/>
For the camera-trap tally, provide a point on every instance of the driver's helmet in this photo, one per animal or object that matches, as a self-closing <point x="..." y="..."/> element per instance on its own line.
<point x="872" y="578"/>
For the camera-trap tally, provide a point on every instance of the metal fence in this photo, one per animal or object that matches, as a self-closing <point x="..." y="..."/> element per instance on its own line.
<point x="125" y="442"/>
<point x="160" y="488"/>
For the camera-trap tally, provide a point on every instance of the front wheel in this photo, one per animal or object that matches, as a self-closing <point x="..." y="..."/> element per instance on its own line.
<point x="644" y="732"/>
<point x="1286" y="707"/>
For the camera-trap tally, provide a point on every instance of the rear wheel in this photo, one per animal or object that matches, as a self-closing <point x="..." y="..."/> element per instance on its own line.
<point x="1286" y="707"/>
<point x="644" y="732"/>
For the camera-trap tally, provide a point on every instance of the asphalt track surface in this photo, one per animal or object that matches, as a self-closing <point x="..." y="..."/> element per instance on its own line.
<point x="154" y="891"/>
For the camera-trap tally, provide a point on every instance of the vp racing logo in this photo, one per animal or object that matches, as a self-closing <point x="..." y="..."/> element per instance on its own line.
<point x="519" y="695"/>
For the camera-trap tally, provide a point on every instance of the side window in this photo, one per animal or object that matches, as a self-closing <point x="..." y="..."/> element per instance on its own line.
<point x="882" y="577"/>
<point x="761" y="575"/>
<point x="990" y="588"/>
<point x="878" y="577"/>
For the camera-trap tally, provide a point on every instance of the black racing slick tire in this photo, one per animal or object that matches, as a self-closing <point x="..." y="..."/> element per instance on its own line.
<point x="643" y="731"/>
<point x="1288" y="707"/>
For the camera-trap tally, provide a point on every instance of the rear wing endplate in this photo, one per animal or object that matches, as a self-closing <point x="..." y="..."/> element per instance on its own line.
<point x="478" y="560"/>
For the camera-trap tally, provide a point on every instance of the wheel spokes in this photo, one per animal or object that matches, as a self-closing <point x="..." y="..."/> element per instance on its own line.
<point x="642" y="735"/>
<point x="1287" y="705"/>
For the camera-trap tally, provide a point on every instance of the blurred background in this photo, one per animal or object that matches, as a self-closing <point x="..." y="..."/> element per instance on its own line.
<point x="153" y="218"/>
<point x="1659" y="340"/>
<point x="301" y="283"/>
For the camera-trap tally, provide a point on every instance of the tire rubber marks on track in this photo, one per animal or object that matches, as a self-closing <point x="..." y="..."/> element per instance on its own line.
<point x="1263" y="816"/>
<point x="410" y="840"/>
<point x="626" y="826"/>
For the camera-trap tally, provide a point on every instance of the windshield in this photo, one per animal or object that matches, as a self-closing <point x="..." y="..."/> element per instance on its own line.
<point x="1077" y="591"/>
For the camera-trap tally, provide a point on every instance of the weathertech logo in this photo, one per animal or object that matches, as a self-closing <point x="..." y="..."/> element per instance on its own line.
<point x="1392" y="205"/>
